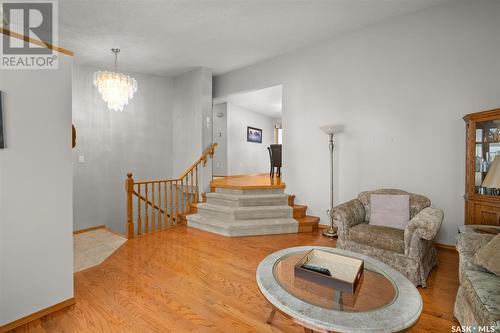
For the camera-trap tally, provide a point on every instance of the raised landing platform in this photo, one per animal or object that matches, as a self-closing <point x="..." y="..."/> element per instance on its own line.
<point x="250" y="205"/>
<point x="245" y="212"/>
<point x="247" y="182"/>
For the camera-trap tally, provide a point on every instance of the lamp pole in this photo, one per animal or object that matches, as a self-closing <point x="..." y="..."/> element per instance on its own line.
<point x="332" y="230"/>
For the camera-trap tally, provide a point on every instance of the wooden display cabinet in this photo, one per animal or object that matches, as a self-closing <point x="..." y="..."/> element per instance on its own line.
<point x="482" y="205"/>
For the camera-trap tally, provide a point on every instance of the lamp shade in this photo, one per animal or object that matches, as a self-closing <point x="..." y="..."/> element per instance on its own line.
<point x="492" y="179"/>
<point x="331" y="129"/>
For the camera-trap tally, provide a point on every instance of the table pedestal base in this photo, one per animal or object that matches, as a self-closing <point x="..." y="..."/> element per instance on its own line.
<point x="306" y="329"/>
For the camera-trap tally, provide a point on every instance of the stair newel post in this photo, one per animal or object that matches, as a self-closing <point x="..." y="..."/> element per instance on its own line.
<point x="129" y="187"/>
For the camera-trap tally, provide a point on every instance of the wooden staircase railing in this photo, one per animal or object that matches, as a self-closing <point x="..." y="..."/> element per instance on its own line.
<point x="161" y="202"/>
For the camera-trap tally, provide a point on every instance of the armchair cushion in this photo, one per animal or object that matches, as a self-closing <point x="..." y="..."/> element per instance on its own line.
<point x="467" y="245"/>
<point x="483" y="292"/>
<point x="417" y="201"/>
<point x="384" y="238"/>
<point x="488" y="256"/>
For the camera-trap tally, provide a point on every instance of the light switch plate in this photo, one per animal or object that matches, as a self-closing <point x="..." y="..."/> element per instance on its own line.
<point x="81" y="159"/>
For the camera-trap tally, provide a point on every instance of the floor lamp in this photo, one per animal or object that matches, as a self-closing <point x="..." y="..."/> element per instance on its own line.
<point x="330" y="130"/>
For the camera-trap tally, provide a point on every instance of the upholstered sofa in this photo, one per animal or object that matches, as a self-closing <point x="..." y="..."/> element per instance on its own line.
<point x="410" y="251"/>
<point x="478" y="297"/>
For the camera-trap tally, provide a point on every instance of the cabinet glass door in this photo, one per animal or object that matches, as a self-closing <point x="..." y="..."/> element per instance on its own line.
<point x="487" y="147"/>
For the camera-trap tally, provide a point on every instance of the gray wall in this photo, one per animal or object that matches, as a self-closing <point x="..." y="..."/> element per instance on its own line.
<point x="36" y="242"/>
<point x="192" y="121"/>
<point x="187" y="129"/>
<point x="400" y="88"/>
<point x="137" y="140"/>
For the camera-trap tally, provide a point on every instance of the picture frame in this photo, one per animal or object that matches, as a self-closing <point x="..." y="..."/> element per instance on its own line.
<point x="254" y="134"/>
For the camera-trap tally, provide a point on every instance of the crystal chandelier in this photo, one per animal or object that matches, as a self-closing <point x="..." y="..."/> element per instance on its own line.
<point x="116" y="89"/>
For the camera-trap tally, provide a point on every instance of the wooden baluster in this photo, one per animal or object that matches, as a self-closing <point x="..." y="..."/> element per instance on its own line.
<point x="188" y="199"/>
<point x="146" y="224"/>
<point x="160" y="210"/>
<point x="176" y="202"/>
<point x="165" y="210"/>
<point x="181" y="210"/>
<point x="192" y="199"/>
<point x="189" y="193"/>
<point x="129" y="187"/>
<point x="197" y="193"/>
<point x="153" y="213"/>
<point x="158" y="224"/>
<point x="171" y="206"/>
<point x="186" y="204"/>
<point x="139" y="222"/>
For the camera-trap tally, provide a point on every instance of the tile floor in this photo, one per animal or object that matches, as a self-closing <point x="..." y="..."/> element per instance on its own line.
<point x="93" y="247"/>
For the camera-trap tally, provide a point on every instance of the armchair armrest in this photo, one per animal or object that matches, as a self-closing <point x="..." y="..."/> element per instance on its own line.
<point x="347" y="215"/>
<point x="467" y="245"/>
<point x="423" y="226"/>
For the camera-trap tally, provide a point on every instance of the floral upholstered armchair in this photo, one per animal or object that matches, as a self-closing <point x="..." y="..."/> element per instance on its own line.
<point x="410" y="251"/>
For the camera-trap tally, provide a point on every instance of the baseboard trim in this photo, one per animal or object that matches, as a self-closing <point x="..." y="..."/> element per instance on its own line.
<point x="37" y="315"/>
<point x="101" y="226"/>
<point x="445" y="246"/>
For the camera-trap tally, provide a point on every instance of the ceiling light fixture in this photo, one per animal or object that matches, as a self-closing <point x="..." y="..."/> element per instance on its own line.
<point x="116" y="89"/>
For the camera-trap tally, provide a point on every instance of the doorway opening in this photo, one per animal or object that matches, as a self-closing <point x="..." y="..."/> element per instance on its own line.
<point x="245" y="125"/>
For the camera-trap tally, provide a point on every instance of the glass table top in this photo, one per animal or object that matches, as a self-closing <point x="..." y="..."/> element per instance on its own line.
<point x="375" y="289"/>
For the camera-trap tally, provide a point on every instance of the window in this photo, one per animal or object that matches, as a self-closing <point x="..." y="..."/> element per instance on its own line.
<point x="278" y="136"/>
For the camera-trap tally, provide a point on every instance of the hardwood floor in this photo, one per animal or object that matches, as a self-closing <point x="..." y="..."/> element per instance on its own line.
<point x="250" y="181"/>
<point x="187" y="280"/>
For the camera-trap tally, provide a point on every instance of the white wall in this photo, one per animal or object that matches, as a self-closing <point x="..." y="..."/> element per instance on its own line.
<point x="247" y="157"/>
<point x="192" y="121"/>
<point x="36" y="209"/>
<point x="220" y="137"/>
<point x="400" y="88"/>
<point x="137" y="140"/>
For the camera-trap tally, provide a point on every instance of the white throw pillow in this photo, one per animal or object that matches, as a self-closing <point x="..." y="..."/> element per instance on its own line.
<point x="390" y="210"/>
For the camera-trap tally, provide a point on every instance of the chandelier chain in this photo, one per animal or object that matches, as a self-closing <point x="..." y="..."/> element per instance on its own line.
<point x="116" y="51"/>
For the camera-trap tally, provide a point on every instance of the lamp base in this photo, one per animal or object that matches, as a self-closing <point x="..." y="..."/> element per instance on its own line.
<point x="330" y="232"/>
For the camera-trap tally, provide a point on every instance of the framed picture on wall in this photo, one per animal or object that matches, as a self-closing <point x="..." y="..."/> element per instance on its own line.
<point x="2" y="143"/>
<point x="254" y="134"/>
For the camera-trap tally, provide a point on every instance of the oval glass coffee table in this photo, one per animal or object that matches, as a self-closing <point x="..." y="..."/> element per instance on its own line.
<point x="384" y="301"/>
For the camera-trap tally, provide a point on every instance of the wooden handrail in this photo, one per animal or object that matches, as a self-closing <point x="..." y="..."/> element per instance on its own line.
<point x="167" y="216"/>
<point x="210" y="151"/>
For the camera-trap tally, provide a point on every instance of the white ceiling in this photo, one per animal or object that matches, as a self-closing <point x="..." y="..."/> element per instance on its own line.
<point x="267" y="101"/>
<point x="170" y="37"/>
